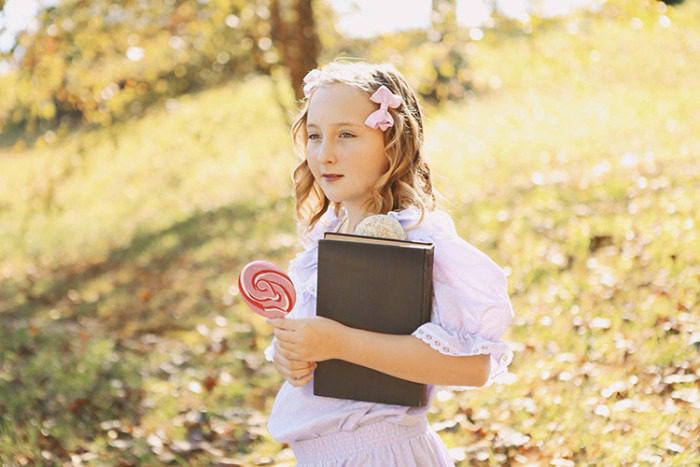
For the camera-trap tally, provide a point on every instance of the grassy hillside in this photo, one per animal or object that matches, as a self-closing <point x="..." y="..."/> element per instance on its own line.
<point x="574" y="165"/>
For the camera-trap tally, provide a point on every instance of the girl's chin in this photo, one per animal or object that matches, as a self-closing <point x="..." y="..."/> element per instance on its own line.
<point x="332" y="195"/>
<point x="332" y="199"/>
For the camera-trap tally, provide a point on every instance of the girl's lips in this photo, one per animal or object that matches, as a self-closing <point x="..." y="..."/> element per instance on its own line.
<point x="332" y="178"/>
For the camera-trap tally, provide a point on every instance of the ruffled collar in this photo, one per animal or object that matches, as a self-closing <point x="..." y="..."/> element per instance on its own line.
<point x="435" y="224"/>
<point x="408" y="218"/>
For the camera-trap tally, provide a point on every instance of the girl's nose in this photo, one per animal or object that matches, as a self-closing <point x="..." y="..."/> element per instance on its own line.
<point x="326" y="152"/>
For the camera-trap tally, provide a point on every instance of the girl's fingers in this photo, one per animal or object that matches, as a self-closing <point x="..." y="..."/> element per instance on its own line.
<point x="297" y="377"/>
<point x="283" y="355"/>
<point x="289" y="351"/>
<point x="291" y="355"/>
<point x="299" y="374"/>
<point x="298" y="365"/>
<point x="295" y="364"/>
<point x="301" y="381"/>
<point x="285" y="335"/>
<point x="295" y="370"/>
<point x="284" y="348"/>
<point x="281" y="323"/>
<point x="289" y="369"/>
<point x="295" y="374"/>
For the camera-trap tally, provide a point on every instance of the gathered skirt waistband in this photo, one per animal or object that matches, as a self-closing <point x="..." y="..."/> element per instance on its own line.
<point x="347" y="443"/>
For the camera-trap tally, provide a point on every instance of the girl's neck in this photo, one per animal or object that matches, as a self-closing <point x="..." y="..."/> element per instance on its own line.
<point x="349" y="219"/>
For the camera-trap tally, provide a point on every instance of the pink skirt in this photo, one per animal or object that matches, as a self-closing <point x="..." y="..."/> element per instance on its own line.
<point x="381" y="444"/>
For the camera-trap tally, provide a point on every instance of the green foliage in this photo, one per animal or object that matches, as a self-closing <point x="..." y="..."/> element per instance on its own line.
<point x="102" y="61"/>
<point x="438" y="63"/>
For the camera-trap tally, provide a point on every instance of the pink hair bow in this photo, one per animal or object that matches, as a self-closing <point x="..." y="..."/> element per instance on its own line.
<point x="381" y="118"/>
<point x="311" y="81"/>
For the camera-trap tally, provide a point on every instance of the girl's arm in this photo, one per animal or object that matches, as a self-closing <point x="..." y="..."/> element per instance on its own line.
<point x="407" y="357"/>
<point x="410" y="358"/>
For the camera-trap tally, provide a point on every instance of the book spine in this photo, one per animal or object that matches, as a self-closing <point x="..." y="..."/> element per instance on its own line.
<point x="428" y="284"/>
<point x="427" y="307"/>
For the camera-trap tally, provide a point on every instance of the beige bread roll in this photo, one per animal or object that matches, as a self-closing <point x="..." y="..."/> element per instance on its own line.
<point x="381" y="225"/>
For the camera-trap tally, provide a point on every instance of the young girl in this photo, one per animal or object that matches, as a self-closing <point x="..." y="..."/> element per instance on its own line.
<point x="361" y="130"/>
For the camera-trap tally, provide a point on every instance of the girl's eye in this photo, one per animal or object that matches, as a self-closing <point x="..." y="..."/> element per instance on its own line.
<point x="345" y="134"/>
<point x="313" y="136"/>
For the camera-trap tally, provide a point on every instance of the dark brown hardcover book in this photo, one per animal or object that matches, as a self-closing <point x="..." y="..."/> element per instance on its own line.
<point x="375" y="284"/>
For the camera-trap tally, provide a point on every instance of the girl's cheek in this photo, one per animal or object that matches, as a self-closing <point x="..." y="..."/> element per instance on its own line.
<point x="315" y="172"/>
<point x="311" y="162"/>
<point x="313" y="165"/>
<point x="311" y="157"/>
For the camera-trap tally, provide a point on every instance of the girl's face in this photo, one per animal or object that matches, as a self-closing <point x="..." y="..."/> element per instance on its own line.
<point x="345" y="156"/>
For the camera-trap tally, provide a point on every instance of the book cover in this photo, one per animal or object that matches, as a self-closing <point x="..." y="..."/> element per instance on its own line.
<point x="375" y="284"/>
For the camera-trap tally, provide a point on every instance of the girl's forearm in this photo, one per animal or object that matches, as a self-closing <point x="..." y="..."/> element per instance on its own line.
<point x="409" y="358"/>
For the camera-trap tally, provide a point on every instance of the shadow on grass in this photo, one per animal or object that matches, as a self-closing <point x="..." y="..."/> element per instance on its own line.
<point x="73" y="354"/>
<point x="156" y="267"/>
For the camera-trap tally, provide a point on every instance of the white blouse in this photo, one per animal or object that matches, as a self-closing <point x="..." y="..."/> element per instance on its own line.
<point x="471" y="311"/>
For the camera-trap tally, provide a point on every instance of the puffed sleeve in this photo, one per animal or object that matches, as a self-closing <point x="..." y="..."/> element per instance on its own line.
<point x="471" y="308"/>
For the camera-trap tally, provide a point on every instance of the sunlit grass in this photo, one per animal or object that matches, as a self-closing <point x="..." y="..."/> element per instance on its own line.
<point x="96" y="189"/>
<point x="581" y="176"/>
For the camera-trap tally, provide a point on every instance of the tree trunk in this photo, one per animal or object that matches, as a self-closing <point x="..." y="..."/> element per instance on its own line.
<point x="296" y="39"/>
<point x="305" y="45"/>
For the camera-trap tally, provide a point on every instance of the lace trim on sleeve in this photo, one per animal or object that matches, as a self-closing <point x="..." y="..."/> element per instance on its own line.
<point x="464" y="345"/>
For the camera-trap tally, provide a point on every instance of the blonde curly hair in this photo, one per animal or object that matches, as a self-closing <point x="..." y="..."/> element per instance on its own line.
<point x="406" y="183"/>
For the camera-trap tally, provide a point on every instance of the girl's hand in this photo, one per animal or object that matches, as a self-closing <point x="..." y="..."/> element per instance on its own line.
<point x="297" y="372"/>
<point x="311" y="339"/>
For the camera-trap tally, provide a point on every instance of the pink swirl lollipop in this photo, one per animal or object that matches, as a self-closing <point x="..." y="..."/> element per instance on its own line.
<point x="266" y="289"/>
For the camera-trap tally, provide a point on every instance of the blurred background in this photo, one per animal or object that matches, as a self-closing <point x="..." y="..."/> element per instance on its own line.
<point x="145" y="158"/>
